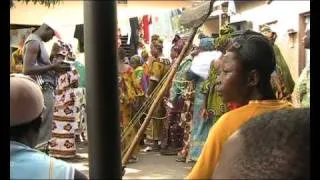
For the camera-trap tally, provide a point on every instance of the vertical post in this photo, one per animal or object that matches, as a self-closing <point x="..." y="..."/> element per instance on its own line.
<point x="100" y="23"/>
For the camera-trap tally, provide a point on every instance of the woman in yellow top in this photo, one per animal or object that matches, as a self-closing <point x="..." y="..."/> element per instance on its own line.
<point x="245" y="80"/>
<point x="157" y="68"/>
<point x="129" y="90"/>
<point x="16" y="61"/>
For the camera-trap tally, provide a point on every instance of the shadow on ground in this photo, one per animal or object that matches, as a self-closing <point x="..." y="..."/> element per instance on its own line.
<point x="150" y="165"/>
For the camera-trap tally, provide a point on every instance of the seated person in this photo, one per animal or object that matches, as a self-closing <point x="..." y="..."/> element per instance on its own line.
<point x="26" y="108"/>
<point x="271" y="146"/>
<point x="244" y="80"/>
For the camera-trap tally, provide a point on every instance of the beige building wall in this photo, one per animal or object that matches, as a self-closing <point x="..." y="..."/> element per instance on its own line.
<point x="69" y="13"/>
<point x="286" y="13"/>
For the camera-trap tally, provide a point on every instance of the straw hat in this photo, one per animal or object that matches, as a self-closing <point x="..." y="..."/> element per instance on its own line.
<point x="26" y="100"/>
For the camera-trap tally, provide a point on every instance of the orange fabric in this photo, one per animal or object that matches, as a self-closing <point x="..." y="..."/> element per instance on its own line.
<point x="225" y="127"/>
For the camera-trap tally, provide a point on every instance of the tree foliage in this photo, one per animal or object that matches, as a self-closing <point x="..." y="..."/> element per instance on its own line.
<point x="47" y="3"/>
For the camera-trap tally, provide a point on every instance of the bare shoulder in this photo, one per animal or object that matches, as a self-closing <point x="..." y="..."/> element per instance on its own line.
<point x="32" y="47"/>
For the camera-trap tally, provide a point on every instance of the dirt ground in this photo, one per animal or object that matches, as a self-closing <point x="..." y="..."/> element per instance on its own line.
<point x="150" y="165"/>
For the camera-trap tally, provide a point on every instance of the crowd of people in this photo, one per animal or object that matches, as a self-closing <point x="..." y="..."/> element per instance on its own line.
<point x="215" y="114"/>
<point x="220" y="85"/>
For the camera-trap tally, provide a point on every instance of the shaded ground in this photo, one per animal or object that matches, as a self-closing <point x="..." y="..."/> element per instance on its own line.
<point x="151" y="165"/>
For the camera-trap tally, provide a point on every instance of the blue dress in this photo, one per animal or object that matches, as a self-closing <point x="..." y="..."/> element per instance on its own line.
<point x="200" y="127"/>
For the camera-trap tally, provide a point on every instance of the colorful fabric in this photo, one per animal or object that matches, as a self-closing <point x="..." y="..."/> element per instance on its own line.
<point x="28" y="163"/>
<point x="146" y="21"/>
<point x="225" y="35"/>
<point x="180" y="82"/>
<point x="200" y="126"/>
<point x="157" y="70"/>
<point x="82" y="71"/>
<point x="223" y="129"/>
<point x="129" y="90"/>
<point x="173" y="132"/>
<point x="186" y="120"/>
<point x="178" y="45"/>
<point x="215" y="105"/>
<point x="135" y="61"/>
<point x="282" y="81"/>
<point x="16" y="64"/>
<point x="206" y="43"/>
<point x="80" y="104"/>
<point x="301" y="93"/>
<point x="63" y="143"/>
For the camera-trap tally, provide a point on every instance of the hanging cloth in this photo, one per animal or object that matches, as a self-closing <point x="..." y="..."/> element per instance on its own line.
<point x="146" y="21"/>
<point x="134" y="39"/>
<point x="78" y="34"/>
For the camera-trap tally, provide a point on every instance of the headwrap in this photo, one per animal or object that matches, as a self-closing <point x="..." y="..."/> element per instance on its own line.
<point x="178" y="45"/>
<point x="156" y="41"/>
<point x="206" y="43"/>
<point x="135" y="60"/>
<point x="144" y="53"/>
<point x="222" y="40"/>
<point x="265" y="29"/>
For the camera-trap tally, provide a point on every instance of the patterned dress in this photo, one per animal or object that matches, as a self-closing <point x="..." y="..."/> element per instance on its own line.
<point x="140" y="98"/>
<point x="281" y="80"/>
<point x="81" y="117"/>
<point x="62" y="143"/>
<point x="157" y="70"/>
<point x="175" y="132"/>
<point x="186" y="120"/>
<point x="128" y="91"/>
<point x="215" y="105"/>
<point x="301" y="93"/>
<point x="200" y="126"/>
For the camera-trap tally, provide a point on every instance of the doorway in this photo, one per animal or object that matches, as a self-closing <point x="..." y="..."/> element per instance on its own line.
<point x="304" y="54"/>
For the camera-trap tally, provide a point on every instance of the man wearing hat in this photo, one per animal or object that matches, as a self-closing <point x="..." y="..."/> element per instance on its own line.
<point x="36" y="63"/>
<point x="26" y="115"/>
<point x="281" y="80"/>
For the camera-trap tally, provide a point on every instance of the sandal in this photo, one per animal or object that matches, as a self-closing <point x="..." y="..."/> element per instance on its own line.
<point x="133" y="159"/>
<point x="181" y="159"/>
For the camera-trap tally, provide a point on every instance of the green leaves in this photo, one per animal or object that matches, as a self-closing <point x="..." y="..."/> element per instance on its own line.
<point x="47" y="3"/>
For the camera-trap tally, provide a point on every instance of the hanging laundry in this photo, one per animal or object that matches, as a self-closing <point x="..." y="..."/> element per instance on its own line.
<point x="78" y="34"/>
<point x="134" y="38"/>
<point x="146" y="21"/>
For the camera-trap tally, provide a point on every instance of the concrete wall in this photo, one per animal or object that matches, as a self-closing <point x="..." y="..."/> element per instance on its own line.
<point x="287" y="15"/>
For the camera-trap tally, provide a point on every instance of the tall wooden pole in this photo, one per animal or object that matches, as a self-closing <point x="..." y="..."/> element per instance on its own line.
<point x="100" y="23"/>
<point x="156" y="101"/>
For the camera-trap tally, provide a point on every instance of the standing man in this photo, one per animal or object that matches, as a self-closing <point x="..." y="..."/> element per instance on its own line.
<point x="36" y="63"/>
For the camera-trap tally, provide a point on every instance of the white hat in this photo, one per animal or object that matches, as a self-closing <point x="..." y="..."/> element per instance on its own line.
<point x="26" y="100"/>
<point x="54" y="25"/>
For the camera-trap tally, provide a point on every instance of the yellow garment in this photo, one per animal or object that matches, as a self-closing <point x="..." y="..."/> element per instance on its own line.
<point x="157" y="70"/>
<point x="16" y="62"/>
<point x="129" y="90"/>
<point x="225" y="127"/>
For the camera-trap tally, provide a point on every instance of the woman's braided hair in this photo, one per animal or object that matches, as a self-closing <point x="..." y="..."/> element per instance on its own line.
<point x="255" y="52"/>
